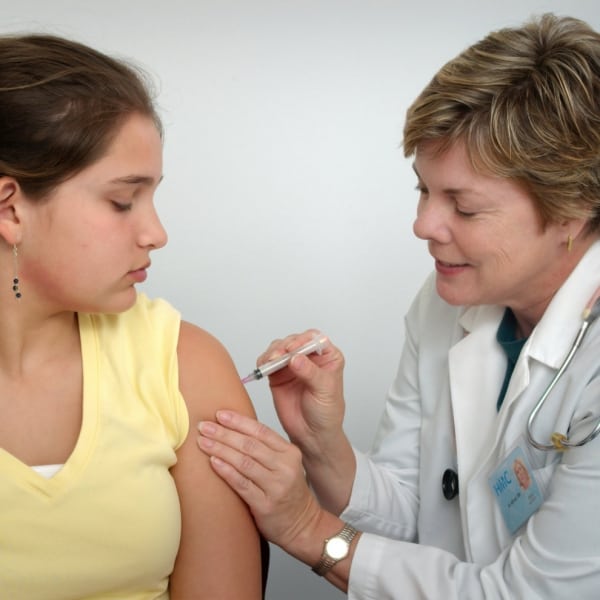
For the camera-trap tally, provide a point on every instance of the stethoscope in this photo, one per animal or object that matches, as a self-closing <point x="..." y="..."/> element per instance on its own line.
<point x="560" y="441"/>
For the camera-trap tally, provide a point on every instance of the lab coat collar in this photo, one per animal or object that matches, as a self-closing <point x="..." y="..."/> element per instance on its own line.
<point x="554" y="334"/>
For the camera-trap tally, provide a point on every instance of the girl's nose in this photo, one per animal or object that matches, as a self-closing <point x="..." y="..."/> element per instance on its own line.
<point x="153" y="233"/>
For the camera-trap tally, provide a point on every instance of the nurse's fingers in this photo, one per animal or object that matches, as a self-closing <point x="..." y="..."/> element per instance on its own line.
<point x="235" y="423"/>
<point x="261" y="475"/>
<point x="244" y="487"/>
<point x="281" y="507"/>
<point x="247" y="444"/>
<point x="287" y="344"/>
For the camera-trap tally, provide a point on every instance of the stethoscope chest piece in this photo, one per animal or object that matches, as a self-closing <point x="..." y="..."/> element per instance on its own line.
<point x="450" y="484"/>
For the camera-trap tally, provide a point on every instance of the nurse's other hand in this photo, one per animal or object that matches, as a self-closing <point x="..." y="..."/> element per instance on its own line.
<point x="265" y="470"/>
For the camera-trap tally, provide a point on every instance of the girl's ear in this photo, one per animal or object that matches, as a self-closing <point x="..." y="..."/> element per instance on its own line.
<point x="10" y="223"/>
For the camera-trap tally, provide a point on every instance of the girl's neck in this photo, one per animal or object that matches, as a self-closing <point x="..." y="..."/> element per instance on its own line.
<point x="28" y="341"/>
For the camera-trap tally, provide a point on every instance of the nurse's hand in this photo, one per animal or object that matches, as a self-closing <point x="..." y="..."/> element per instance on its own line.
<point x="308" y="394"/>
<point x="266" y="471"/>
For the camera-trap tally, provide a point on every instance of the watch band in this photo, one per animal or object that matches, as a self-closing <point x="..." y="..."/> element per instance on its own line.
<point x="327" y="561"/>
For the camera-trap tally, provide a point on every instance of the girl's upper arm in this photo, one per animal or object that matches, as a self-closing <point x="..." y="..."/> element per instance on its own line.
<point x="219" y="553"/>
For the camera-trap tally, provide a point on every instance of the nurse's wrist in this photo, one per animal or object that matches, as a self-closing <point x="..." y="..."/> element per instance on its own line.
<point x="308" y="544"/>
<point x="331" y="474"/>
<point x="324" y="448"/>
<point x="323" y="558"/>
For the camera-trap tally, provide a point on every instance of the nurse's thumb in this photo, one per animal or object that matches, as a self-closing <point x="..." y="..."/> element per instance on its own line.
<point x="303" y="367"/>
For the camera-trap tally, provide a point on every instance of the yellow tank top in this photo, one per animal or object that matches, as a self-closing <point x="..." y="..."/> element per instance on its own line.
<point x="107" y="525"/>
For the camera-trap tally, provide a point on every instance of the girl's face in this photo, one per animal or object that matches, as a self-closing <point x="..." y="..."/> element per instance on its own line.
<point x="88" y="244"/>
<point x="486" y="236"/>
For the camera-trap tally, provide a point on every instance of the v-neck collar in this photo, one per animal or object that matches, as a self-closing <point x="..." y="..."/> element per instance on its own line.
<point x="11" y="466"/>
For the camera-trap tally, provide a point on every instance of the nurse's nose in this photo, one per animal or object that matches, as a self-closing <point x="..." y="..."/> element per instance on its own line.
<point x="431" y="223"/>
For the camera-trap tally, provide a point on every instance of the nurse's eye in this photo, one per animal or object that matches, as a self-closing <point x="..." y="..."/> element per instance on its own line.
<point x="121" y="206"/>
<point x="465" y="213"/>
<point x="421" y="189"/>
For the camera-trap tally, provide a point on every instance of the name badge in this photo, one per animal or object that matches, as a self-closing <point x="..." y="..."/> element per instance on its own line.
<point x="515" y="489"/>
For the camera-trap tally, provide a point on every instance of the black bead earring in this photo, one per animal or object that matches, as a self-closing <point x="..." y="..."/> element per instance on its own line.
<point x="15" y="286"/>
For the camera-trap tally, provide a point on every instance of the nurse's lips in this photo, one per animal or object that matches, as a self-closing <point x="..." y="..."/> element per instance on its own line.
<point x="446" y="268"/>
<point x="449" y="264"/>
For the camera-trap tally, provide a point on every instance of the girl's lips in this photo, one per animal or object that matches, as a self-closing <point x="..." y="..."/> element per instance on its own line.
<point x="139" y="275"/>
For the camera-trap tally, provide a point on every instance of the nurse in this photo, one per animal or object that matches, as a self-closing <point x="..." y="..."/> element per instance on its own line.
<point x="506" y="146"/>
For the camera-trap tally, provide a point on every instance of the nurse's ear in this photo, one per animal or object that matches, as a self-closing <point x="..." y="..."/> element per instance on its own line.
<point x="10" y="198"/>
<point x="576" y="228"/>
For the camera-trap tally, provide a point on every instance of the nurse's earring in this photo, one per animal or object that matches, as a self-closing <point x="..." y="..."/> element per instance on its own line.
<point x="569" y="243"/>
<point x="15" y="280"/>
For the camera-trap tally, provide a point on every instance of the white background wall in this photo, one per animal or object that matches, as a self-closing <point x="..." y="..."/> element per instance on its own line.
<point x="286" y="196"/>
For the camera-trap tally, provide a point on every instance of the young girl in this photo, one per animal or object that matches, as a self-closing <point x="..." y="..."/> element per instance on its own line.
<point x="101" y="489"/>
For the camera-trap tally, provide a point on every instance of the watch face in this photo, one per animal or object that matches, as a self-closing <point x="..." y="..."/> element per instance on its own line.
<point x="337" y="548"/>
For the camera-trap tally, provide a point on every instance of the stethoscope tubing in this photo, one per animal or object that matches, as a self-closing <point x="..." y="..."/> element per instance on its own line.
<point x="561" y="441"/>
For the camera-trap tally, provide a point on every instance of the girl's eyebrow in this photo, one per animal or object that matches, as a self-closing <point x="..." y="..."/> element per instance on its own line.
<point x="136" y="180"/>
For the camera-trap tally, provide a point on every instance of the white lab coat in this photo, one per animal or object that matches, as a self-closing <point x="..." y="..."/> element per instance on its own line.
<point x="441" y="413"/>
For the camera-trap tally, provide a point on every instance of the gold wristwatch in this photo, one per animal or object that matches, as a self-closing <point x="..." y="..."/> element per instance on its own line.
<point x="335" y="549"/>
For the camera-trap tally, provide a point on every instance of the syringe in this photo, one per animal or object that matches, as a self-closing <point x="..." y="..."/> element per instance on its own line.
<point x="318" y="343"/>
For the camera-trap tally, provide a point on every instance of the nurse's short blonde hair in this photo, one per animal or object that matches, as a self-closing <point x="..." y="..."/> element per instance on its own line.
<point x="526" y="102"/>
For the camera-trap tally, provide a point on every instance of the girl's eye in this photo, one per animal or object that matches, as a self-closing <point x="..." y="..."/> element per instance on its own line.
<point x="121" y="206"/>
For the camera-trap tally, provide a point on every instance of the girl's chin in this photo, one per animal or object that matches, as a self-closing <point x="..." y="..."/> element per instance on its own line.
<point x="118" y="303"/>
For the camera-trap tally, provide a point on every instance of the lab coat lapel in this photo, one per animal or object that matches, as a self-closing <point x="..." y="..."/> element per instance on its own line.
<point x="476" y="367"/>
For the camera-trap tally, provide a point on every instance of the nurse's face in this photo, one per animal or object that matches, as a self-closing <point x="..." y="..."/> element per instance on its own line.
<point x="486" y="236"/>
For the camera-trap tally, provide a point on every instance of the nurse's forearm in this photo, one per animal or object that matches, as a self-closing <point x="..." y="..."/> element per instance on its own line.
<point x="331" y="473"/>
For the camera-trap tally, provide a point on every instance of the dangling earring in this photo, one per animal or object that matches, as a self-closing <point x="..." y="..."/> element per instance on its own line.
<point x="15" y="286"/>
<point x="569" y="243"/>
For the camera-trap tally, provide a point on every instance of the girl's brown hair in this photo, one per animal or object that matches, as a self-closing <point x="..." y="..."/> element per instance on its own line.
<point x="61" y="103"/>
